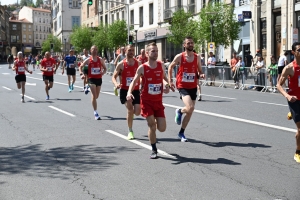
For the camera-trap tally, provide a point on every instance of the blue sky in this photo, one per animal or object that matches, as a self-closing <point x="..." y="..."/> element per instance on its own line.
<point x="6" y="2"/>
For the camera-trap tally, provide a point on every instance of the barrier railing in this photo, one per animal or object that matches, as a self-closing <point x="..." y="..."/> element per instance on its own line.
<point x="110" y="68"/>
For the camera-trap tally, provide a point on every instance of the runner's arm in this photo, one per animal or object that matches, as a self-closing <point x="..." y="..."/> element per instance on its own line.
<point x="116" y="74"/>
<point x="138" y="75"/>
<point x="287" y="71"/>
<point x="116" y="61"/>
<point x="104" y="67"/>
<point x="201" y="74"/>
<point x="14" y="67"/>
<point x="171" y="66"/>
<point x="84" y="63"/>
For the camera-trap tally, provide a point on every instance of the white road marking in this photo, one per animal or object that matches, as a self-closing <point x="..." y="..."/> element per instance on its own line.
<point x="239" y="119"/>
<point x="28" y="97"/>
<point x="0" y="67"/>
<point x="39" y="73"/>
<point x="269" y="103"/>
<point x="217" y="96"/>
<point x="110" y="93"/>
<point x="140" y="144"/>
<point x="6" y="73"/>
<point x="6" y="88"/>
<point x="33" y="84"/>
<point x="62" y="111"/>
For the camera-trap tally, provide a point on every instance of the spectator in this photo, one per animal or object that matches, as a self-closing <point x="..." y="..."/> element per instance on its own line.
<point x="248" y="64"/>
<point x="272" y="70"/>
<point x="211" y="62"/>
<point x="10" y="60"/>
<point x="282" y="62"/>
<point x="260" y="74"/>
<point x="234" y="69"/>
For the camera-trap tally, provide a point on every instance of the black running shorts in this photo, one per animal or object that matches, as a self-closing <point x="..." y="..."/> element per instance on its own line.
<point x="95" y="81"/>
<point x="49" y="78"/>
<point x="135" y="93"/>
<point x="295" y="110"/>
<point x="20" y="78"/>
<point x="191" y="92"/>
<point x="71" y="71"/>
<point x="280" y="68"/>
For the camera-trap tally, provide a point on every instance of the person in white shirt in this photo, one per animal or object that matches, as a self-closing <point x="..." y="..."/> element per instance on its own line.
<point x="211" y="64"/>
<point x="282" y="62"/>
<point x="260" y="73"/>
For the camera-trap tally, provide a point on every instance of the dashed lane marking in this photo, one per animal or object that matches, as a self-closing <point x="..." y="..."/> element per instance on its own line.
<point x="28" y="97"/>
<point x="217" y="96"/>
<point x="6" y="88"/>
<point x="62" y="111"/>
<point x="276" y="104"/>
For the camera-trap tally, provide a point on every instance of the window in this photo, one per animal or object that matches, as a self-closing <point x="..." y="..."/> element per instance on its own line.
<point x="44" y="37"/>
<point x="36" y="28"/>
<point x="88" y="11"/>
<point x="24" y="38"/>
<point x="36" y="36"/>
<point x="40" y="36"/>
<point x="132" y="17"/>
<point x="263" y="25"/>
<point x="24" y="27"/>
<point x="44" y="29"/>
<point x="179" y="3"/>
<point x="29" y="27"/>
<point x="106" y="22"/>
<point x="75" y="21"/>
<point x="131" y="1"/>
<point x="40" y="20"/>
<point x="75" y="3"/>
<point x="151" y="13"/>
<point x="14" y="27"/>
<point x="44" y="20"/>
<point x="192" y="7"/>
<point x="123" y="15"/>
<point x="118" y="16"/>
<point x="40" y="28"/>
<point x="141" y="16"/>
<point x="14" y="38"/>
<point x="59" y="21"/>
<point x="167" y="4"/>
<point x="112" y="18"/>
<point x="29" y="39"/>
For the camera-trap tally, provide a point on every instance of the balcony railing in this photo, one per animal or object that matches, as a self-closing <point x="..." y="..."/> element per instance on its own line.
<point x="168" y="13"/>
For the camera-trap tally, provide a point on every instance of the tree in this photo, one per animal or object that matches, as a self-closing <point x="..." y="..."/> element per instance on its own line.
<point x="182" y="25"/>
<point x="100" y="37"/>
<point x="81" y="37"/>
<point x="26" y="3"/>
<point x="38" y="3"/>
<point x="117" y="34"/>
<point x="46" y="46"/>
<point x="225" y="27"/>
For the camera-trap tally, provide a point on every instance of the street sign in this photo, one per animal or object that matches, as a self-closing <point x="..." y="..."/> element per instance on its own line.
<point x="211" y="47"/>
<point x="247" y="14"/>
<point x="240" y="18"/>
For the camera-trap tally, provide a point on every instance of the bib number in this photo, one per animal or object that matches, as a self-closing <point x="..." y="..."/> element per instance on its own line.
<point x="21" y="69"/>
<point x="188" y="77"/>
<point x="128" y="80"/>
<point x="49" y="69"/>
<point x="71" y="65"/>
<point x="95" y="71"/>
<point x="154" y="89"/>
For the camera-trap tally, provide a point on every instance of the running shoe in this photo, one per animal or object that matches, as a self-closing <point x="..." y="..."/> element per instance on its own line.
<point x="297" y="157"/>
<point x="178" y="116"/>
<point x="199" y="98"/>
<point x="116" y="91"/>
<point x="153" y="155"/>
<point x="22" y="99"/>
<point x="97" y="117"/>
<point x="130" y="136"/>
<point x="182" y="137"/>
<point x="86" y="90"/>
<point x="72" y="87"/>
<point x="47" y="98"/>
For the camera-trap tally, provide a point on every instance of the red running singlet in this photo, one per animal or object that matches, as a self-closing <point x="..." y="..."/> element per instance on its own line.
<point x="128" y="74"/>
<point x="294" y="81"/>
<point x="20" y="67"/>
<point x="187" y="73"/>
<point x="95" y="68"/>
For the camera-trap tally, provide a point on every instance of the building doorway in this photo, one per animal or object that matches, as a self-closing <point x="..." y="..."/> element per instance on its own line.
<point x="277" y="36"/>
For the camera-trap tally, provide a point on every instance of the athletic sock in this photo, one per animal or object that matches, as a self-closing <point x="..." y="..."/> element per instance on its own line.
<point x="182" y="130"/>
<point x="95" y="112"/>
<point x="154" y="147"/>
<point x="130" y="130"/>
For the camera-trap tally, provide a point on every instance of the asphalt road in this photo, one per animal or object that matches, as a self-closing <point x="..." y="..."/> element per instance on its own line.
<point x="241" y="146"/>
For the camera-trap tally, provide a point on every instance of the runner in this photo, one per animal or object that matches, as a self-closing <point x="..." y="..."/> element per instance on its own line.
<point x="47" y="65"/>
<point x="70" y="62"/>
<point x="119" y="58"/>
<point x="142" y="58"/>
<point x="127" y="69"/>
<point x="292" y="73"/>
<point x="20" y="68"/>
<point x="96" y="68"/>
<point x="153" y="76"/>
<point x="10" y="60"/>
<point x="33" y="62"/>
<point x="186" y="82"/>
<point x="85" y="71"/>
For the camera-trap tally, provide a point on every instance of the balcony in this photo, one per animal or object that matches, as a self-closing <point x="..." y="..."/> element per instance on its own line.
<point x="168" y="13"/>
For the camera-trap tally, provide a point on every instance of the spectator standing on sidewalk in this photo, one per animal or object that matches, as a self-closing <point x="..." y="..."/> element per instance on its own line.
<point x="282" y="62"/>
<point x="233" y="65"/>
<point x="272" y="69"/>
<point x="211" y="62"/>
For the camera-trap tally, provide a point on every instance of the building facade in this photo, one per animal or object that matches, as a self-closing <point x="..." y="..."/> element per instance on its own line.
<point x="41" y="25"/>
<point x="15" y="36"/>
<point x="66" y="14"/>
<point x="27" y="36"/>
<point x="4" y="33"/>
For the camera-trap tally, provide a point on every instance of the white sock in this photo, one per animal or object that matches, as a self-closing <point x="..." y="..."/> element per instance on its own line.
<point x="95" y="112"/>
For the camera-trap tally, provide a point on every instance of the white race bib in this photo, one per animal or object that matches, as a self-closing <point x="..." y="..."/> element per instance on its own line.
<point x="21" y="69"/>
<point x="188" y="77"/>
<point x="71" y="65"/>
<point x="95" y="71"/>
<point x="49" y="69"/>
<point x="154" y="89"/>
<point x="128" y="80"/>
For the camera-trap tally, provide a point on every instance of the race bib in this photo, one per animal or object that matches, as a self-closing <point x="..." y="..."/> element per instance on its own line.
<point x="95" y="71"/>
<point x="21" y="69"/>
<point x="188" y="77"/>
<point x="49" y="69"/>
<point x="128" y="80"/>
<point x="71" y="65"/>
<point x="154" y="89"/>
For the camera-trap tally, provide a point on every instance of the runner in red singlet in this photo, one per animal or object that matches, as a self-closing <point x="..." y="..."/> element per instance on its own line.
<point x="20" y="68"/>
<point x="155" y="83"/>
<point x="292" y="73"/>
<point x="186" y="82"/>
<point x="96" y="68"/>
<point x="47" y="67"/>
<point x="142" y="58"/>
<point x="128" y="69"/>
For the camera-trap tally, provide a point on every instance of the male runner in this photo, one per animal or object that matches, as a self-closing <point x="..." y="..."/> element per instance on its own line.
<point x="85" y="71"/>
<point x="186" y="82"/>
<point x="47" y="65"/>
<point x="96" y="68"/>
<point x="69" y="62"/>
<point x="128" y="69"/>
<point x="292" y="73"/>
<point x="153" y="76"/>
<point x="119" y="58"/>
<point x="142" y="58"/>
<point x="20" y="67"/>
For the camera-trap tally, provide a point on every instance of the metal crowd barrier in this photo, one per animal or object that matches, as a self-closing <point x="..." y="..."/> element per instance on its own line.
<point x="110" y="68"/>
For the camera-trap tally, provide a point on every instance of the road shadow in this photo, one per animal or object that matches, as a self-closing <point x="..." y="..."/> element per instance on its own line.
<point x="40" y="101"/>
<point x="61" y="162"/>
<point x="68" y="99"/>
<point x="180" y="160"/>
<point x="218" y="101"/>
<point x="120" y="118"/>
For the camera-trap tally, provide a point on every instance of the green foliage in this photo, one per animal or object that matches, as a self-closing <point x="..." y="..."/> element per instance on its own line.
<point x="26" y="3"/>
<point x="225" y="29"/>
<point x="38" y="3"/>
<point x="56" y="43"/>
<point x="100" y="38"/>
<point x="182" y="25"/>
<point x="81" y="37"/>
<point x="117" y="34"/>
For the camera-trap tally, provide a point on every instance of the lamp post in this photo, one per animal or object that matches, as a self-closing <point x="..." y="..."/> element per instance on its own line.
<point x="136" y="45"/>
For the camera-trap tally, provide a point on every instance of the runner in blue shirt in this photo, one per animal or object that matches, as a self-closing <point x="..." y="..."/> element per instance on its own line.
<point x="69" y="63"/>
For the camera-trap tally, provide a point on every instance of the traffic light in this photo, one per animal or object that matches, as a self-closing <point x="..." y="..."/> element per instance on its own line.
<point x="90" y="2"/>
<point x="130" y="39"/>
<point x="51" y="46"/>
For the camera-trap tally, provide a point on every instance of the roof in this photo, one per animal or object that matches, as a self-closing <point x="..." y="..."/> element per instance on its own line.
<point x="20" y="21"/>
<point x="40" y="9"/>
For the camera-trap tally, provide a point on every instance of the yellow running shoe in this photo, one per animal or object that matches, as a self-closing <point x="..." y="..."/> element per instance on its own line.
<point x="130" y="136"/>
<point x="297" y="157"/>
<point x="116" y="91"/>
<point x="289" y="116"/>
